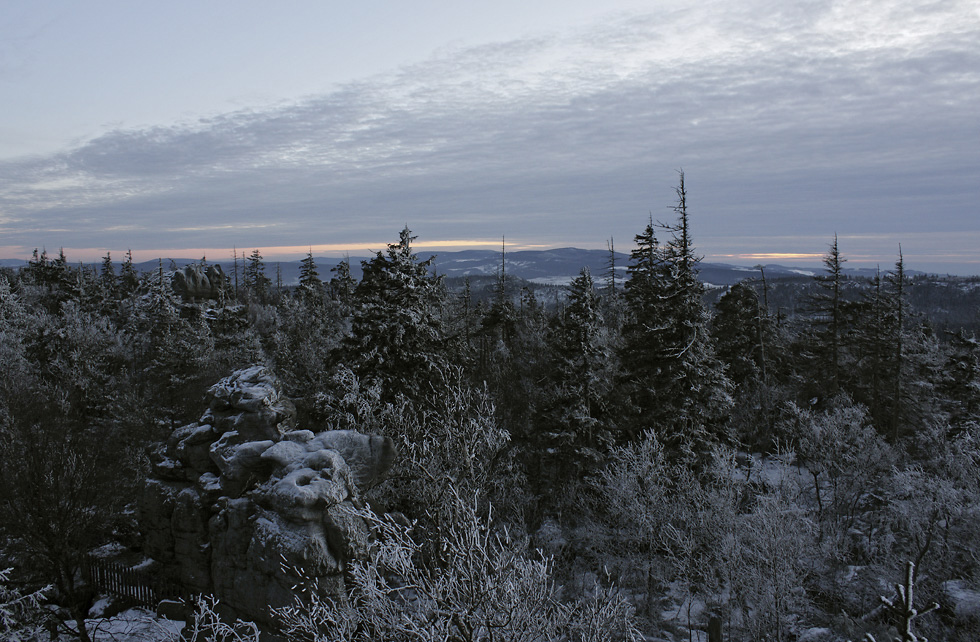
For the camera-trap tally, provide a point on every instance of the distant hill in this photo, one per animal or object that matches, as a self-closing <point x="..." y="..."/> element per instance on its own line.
<point x="546" y="267"/>
<point x="950" y="303"/>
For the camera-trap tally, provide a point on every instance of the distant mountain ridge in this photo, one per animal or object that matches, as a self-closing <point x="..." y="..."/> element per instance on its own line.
<point x="557" y="266"/>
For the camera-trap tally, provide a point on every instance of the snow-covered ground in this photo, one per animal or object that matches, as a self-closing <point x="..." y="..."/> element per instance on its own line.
<point x="132" y="625"/>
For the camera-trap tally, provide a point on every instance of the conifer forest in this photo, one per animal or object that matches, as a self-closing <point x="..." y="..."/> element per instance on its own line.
<point x="633" y="458"/>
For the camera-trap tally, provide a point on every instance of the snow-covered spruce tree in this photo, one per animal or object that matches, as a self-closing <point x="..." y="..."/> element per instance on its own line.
<point x="512" y="357"/>
<point x="310" y="286"/>
<point x="500" y="321"/>
<point x="896" y="280"/>
<point x="170" y="352"/>
<point x="257" y="284"/>
<point x="871" y="343"/>
<point x="960" y="383"/>
<point x="108" y="279"/>
<point x="890" y="361"/>
<point x="753" y="351"/>
<point x="308" y="334"/>
<point x="129" y="280"/>
<point x="917" y="369"/>
<point x="644" y="311"/>
<point x="85" y="289"/>
<point x="50" y="276"/>
<point x="310" y="327"/>
<point x="397" y="338"/>
<point x="342" y="284"/>
<point x="572" y="431"/>
<point x="741" y="331"/>
<point x="893" y="362"/>
<point x="81" y="353"/>
<point x="825" y="354"/>
<point x="675" y="382"/>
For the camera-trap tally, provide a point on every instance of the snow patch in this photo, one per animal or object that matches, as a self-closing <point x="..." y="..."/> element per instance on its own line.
<point x="134" y="625"/>
<point x="108" y="550"/>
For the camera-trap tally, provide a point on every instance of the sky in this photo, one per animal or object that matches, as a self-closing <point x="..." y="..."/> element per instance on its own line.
<point x="186" y="129"/>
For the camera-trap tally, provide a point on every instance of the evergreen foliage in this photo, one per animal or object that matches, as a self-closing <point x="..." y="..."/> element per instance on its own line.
<point x="677" y="385"/>
<point x="128" y="278"/>
<point x="171" y="352"/>
<point x="960" y="381"/>
<point x="829" y="321"/>
<point x="342" y="284"/>
<point x="573" y="429"/>
<point x="256" y="282"/>
<point x="310" y="284"/>
<point x="107" y="277"/>
<point x="741" y="331"/>
<point x="397" y="338"/>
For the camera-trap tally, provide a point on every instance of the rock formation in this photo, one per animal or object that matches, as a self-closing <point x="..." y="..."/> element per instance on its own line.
<point x="198" y="283"/>
<point x="241" y="503"/>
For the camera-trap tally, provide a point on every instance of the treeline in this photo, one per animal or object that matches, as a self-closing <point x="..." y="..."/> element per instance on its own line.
<point x="608" y="435"/>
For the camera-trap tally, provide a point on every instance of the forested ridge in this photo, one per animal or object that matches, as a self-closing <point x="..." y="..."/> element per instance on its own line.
<point x="626" y="461"/>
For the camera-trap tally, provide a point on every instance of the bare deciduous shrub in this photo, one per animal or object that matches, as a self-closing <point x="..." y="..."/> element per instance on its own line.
<point x="484" y="585"/>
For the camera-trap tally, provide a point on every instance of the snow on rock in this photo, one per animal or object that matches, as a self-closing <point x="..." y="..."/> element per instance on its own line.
<point x="369" y="456"/>
<point x="965" y="601"/>
<point x="198" y="282"/>
<point x="243" y="505"/>
<point x="250" y="403"/>
<point x="99" y="607"/>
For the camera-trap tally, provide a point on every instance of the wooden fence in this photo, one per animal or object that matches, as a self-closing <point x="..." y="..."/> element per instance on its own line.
<point x="139" y="586"/>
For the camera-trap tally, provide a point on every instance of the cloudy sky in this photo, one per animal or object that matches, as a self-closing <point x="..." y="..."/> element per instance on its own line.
<point x="186" y="128"/>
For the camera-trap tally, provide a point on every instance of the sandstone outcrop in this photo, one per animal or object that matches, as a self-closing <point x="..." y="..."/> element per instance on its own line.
<point x="198" y="283"/>
<point x="244" y="505"/>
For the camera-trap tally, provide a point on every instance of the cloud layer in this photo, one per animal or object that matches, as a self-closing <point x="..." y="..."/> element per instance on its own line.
<point x="792" y="121"/>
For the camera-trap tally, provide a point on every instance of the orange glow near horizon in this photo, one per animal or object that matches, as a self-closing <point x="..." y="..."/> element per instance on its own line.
<point x="772" y="256"/>
<point x="337" y="250"/>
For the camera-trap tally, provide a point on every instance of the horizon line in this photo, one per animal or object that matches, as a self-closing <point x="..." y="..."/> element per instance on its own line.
<point x="806" y="260"/>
